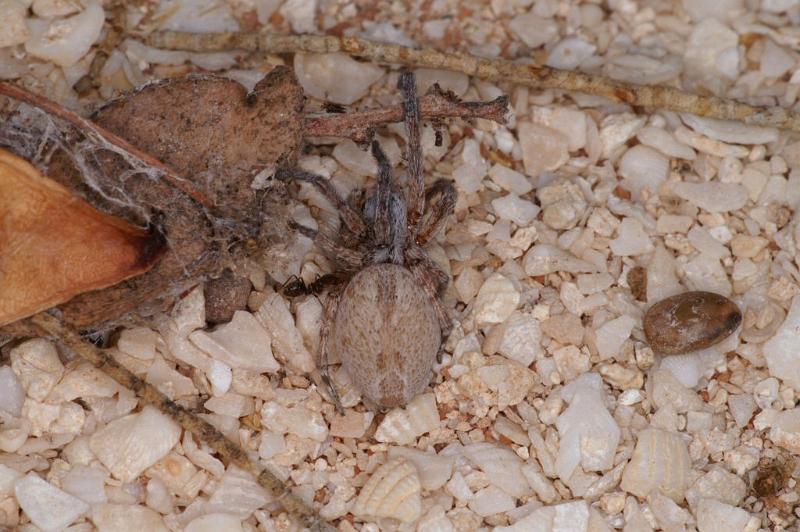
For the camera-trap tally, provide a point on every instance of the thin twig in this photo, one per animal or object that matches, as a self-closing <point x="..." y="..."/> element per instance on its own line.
<point x="229" y="451"/>
<point x="436" y="104"/>
<point x="89" y="128"/>
<point x="496" y="70"/>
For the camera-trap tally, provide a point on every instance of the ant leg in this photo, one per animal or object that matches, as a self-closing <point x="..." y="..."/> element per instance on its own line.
<point x="351" y="218"/>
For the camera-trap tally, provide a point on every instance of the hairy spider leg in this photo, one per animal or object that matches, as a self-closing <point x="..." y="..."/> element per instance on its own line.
<point x="386" y="211"/>
<point x="411" y="117"/>
<point x="379" y="202"/>
<point x="349" y="259"/>
<point x="425" y="275"/>
<point x="438" y="211"/>
<point x="351" y="218"/>
<point x="331" y="304"/>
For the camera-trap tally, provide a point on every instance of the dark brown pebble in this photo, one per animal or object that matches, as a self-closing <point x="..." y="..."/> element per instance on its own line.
<point x="225" y="295"/>
<point x="690" y="321"/>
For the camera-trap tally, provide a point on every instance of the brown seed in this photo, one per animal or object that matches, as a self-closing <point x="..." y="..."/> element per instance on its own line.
<point x="690" y="321"/>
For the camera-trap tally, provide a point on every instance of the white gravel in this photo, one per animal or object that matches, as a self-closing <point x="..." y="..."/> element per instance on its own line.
<point x="548" y="411"/>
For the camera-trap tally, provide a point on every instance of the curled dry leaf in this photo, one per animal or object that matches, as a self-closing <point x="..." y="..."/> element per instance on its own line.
<point x="54" y="245"/>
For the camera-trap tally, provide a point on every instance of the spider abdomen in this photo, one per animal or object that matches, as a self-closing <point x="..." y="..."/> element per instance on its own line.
<point x="386" y="334"/>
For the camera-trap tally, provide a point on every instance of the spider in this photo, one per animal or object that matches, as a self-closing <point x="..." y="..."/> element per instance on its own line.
<point x="384" y="319"/>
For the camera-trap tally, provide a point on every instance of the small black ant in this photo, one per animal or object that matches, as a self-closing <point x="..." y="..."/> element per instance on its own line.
<point x="295" y="286"/>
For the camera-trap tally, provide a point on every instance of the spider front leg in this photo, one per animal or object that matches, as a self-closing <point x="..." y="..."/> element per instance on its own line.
<point x="349" y="259"/>
<point x="416" y="184"/>
<point x="386" y="212"/>
<point x="351" y="218"/>
<point x="439" y="210"/>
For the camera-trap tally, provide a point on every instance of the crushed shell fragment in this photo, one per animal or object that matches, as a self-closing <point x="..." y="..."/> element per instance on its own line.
<point x="393" y="491"/>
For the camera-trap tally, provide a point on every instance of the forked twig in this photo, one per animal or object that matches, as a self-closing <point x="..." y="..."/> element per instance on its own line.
<point x="229" y="451"/>
<point x="360" y="125"/>
<point x="496" y="70"/>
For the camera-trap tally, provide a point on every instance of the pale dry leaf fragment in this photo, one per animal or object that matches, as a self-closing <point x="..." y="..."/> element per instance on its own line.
<point x="392" y="491"/>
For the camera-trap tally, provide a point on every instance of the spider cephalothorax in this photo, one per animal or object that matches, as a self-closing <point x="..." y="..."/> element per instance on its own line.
<point x="385" y="321"/>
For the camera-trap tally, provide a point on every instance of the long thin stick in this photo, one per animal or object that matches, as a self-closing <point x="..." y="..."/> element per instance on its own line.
<point x="229" y="451"/>
<point x="497" y="70"/>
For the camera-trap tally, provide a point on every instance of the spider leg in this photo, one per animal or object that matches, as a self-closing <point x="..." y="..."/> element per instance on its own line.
<point x="349" y="259"/>
<point x="331" y="303"/>
<point x="437" y="214"/>
<point x="389" y="228"/>
<point x="416" y="256"/>
<point x="351" y="218"/>
<point x="411" y="113"/>
<point x="429" y="275"/>
<point x="382" y="229"/>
